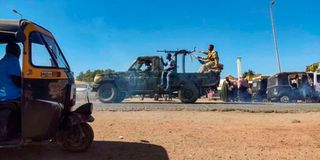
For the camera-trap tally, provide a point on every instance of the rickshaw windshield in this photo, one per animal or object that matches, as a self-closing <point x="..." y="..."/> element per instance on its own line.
<point x="256" y="85"/>
<point x="45" y="52"/>
<point x="55" y="50"/>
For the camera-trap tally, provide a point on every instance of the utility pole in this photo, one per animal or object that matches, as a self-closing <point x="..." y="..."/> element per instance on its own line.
<point x="239" y="67"/>
<point x="275" y="35"/>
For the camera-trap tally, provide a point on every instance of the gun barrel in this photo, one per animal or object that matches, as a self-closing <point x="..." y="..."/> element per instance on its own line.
<point x="165" y="51"/>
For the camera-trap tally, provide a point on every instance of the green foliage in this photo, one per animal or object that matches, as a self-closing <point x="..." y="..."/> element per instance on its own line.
<point x="250" y="74"/>
<point x="88" y="76"/>
<point x="312" y="67"/>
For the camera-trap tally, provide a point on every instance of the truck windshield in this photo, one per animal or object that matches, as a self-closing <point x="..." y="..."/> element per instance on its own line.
<point x="135" y="66"/>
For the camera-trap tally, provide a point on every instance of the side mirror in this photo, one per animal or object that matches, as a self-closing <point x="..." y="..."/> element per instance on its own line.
<point x="20" y="37"/>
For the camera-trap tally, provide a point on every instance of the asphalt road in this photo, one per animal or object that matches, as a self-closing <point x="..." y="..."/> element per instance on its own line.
<point x="148" y="104"/>
<point x="206" y="106"/>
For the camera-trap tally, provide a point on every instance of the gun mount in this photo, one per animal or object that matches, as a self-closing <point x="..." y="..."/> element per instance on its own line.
<point x="182" y="52"/>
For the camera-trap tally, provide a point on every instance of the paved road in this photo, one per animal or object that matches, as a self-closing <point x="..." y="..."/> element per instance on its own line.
<point x="208" y="106"/>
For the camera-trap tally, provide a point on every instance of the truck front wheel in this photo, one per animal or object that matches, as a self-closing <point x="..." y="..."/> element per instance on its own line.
<point x="188" y="93"/>
<point x="107" y="93"/>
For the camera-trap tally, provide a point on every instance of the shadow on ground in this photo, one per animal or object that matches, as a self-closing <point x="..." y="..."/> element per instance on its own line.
<point x="100" y="150"/>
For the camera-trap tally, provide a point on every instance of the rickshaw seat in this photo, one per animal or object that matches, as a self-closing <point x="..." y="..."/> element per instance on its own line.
<point x="10" y="105"/>
<point x="10" y="116"/>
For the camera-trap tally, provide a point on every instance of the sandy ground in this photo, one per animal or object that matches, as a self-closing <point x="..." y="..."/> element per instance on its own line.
<point x="179" y="135"/>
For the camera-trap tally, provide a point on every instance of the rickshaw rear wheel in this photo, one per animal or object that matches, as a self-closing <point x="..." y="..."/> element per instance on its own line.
<point x="77" y="138"/>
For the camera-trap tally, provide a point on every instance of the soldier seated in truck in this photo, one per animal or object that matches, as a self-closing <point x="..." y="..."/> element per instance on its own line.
<point x="210" y="62"/>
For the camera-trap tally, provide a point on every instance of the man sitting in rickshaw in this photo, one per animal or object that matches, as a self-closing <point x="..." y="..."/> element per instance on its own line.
<point x="10" y="82"/>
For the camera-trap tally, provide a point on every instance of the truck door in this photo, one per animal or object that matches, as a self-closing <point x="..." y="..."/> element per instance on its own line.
<point x="44" y="87"/>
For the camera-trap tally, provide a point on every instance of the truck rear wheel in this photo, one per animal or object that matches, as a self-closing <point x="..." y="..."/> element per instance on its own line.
<point x="188" y="93"/>
<point x="107" y="93"/>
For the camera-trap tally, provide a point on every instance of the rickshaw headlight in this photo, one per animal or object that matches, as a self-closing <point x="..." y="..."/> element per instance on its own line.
<point x="73" y="92"/>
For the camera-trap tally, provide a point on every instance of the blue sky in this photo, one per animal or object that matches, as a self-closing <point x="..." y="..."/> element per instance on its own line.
<point x="105" y="34"/>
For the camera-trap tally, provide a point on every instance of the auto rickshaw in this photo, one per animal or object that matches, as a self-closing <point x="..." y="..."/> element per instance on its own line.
<point x="288" y="87"/>
<point x="259" y="89"/>
<point x="44" y="112"/>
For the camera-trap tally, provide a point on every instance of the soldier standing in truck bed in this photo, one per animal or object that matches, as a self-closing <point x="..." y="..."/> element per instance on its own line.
<point x="168" y="71"/>
<point x="211" y="61"/>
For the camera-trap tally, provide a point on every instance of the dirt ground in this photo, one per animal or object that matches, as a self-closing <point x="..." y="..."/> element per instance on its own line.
<point x="179" y="135"/>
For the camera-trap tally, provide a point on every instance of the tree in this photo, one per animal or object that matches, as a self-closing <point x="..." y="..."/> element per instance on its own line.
<point x="89" y="75"/>
<point x="250" y="74"/>
<point x="312" y="68"/>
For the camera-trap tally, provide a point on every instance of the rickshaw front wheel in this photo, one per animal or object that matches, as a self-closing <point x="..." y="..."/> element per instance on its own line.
<point x="77" y="138"/>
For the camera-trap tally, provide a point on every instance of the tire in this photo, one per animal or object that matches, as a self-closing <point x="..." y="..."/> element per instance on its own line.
<point x="121" y="96"/>
<point x="107" y="93"/>
<point x="285" y="99"/>
<point x="77" y="138"/>
<point x="156" y="97"/>
<point x="188" y="93"/>
<point x="141" y="97"/>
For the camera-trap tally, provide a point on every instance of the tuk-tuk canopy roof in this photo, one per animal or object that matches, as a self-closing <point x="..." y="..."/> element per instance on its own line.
<point x="9" y="25"/>
<point x="284" y="77"/>
<point x="289" y="73"/>
<point x="10" y="28"/>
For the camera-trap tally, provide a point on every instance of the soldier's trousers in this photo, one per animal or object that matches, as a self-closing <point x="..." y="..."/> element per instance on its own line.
<point x="165" y="78"/>
<point x="206" y="67"/>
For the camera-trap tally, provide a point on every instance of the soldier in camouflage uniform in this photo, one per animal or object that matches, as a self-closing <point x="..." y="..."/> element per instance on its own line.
<point x="211" y="61"/>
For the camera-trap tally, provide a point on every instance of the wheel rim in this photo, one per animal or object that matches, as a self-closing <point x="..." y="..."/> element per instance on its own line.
<point x="107" y="93"/>
<point x="187" y="94"/>
<point x="284" y="99"/>
<point x="74" y="137"/>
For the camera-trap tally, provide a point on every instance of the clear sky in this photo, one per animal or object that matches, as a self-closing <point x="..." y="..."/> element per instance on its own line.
<point x="101" y="34"/>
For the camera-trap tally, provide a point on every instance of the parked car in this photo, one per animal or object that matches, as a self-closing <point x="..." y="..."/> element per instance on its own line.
<point x="288" y="87"/>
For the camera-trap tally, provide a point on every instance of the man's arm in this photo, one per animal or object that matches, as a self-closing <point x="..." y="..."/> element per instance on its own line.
<point x="204" y="52"/>
<point x="15" y="73"/>
<point x="216" y="59"/>
<point x="170" y="66"/>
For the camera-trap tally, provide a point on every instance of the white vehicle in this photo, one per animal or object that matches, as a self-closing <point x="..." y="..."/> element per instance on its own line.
<point x="316" y="80"/>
